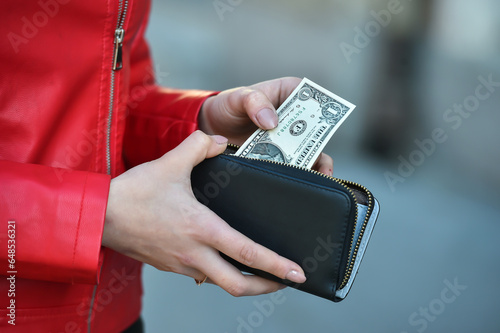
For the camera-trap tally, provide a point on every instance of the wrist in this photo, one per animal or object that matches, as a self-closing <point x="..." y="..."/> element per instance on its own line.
<point x="108" y="232"/>
<point x="204" y="123"/>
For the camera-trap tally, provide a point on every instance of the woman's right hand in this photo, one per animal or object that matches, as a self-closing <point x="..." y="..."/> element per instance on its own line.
<point x="153" y="216"/>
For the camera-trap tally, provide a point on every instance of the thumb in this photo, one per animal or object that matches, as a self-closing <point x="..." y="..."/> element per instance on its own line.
<point x="256" y="105"/>
<point x="197" y="147"/>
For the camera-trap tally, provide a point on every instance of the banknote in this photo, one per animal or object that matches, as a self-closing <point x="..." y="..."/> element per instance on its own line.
<point x="307" y="120"/>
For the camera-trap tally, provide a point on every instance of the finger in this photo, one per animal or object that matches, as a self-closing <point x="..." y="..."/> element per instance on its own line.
<point x="260" y="101"/>
<point x="197" y="147"/>
<point x="229" y="278"/>
<point x="257" y="106"/>
<point x="242" y="249"/>
<point x="193" y="273"/>
<point x="278" y="90"/>
<point x="324" y="164"/>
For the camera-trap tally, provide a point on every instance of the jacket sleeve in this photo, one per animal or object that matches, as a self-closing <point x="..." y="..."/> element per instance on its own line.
<point x="158" y="118"/>
<point x="43" y="203"/>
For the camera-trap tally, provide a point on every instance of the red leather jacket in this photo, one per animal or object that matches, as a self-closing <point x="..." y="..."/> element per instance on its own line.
<point x="68" y="124"/>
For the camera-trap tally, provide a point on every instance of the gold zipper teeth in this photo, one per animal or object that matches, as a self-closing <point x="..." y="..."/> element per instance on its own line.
<point x="361" y="233"/>
<point x="342" y="182"/>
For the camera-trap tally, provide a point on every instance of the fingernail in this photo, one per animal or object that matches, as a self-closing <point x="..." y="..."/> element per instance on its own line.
<point x="267" y="118"/>
<point x="219" y="139"/>
<point x="295" y="276"/>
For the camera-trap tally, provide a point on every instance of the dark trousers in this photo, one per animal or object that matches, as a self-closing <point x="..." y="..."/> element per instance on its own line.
<point x="137" y="327"/>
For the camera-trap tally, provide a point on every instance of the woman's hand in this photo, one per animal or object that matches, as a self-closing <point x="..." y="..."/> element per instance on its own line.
<point x="236" y="113"/>
<point x="153" y="216"/>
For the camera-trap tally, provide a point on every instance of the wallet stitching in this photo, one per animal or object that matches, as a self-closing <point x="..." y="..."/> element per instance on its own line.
<point x="346" y="217"/>
<point x="321" y="187"/>
<point x="335" y="191"/>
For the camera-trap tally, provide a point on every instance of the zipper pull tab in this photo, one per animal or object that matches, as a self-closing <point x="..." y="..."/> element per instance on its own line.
<point x="117" y="59"/>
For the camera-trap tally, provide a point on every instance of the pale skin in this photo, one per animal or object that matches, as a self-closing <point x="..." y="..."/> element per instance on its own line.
<point x="153" y="216"/>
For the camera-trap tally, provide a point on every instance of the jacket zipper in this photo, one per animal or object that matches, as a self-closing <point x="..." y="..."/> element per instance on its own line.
<point x="344" y="183"/>
<point x="117" y="65"/>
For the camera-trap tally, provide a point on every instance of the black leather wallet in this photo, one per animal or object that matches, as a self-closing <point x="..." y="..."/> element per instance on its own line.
<point x="320" y="222"/>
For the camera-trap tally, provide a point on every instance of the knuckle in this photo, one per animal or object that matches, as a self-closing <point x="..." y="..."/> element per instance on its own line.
<point x="204" y="234"/>
<point x="236" y="289"/>
<point x="251" y="97"/>
<point x="295" y="80"/>
<point x="200" y="137"/>
<point x="248" y="254"/>
<point x="199" y="142"/>
<point x="186" y="260"/>
<point x="203" y="229"/>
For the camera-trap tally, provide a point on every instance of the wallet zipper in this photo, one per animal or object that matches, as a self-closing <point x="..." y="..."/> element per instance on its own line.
<point x="344" y="183"/>
<point x="363" y="227"/>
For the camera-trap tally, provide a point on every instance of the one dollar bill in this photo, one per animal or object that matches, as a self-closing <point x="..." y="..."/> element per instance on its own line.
<point x="307" y="120"/>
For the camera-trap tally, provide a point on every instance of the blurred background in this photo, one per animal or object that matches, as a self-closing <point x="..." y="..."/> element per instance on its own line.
<point x="413" y="68"/>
